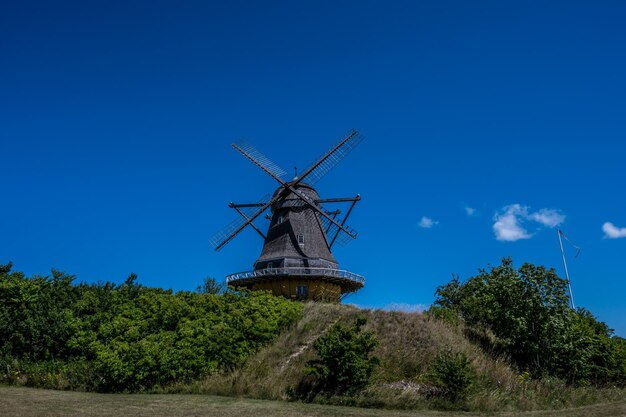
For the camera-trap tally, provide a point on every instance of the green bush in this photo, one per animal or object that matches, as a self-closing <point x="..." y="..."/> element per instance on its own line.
<point x="452" y="372"/>
<point x="444" y="314"/>
<point x="345" y="362"/>
<point x="35" y="314"/>
<point x="106" y="337"/>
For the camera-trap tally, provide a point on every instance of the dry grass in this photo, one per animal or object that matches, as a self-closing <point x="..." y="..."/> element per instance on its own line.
<point x="269" y="373"/>
<point x="29" y="402"/>
<point x="409" y="342"/>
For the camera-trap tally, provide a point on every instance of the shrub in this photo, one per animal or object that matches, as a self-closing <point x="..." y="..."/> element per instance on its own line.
<point x="35" y="314"/>
<point x="345" y="362"/>
<point x="452" y="372"/>
<point x="444" y="314"/>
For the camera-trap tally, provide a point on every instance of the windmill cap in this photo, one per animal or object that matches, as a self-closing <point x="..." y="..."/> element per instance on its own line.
<point x="298" y="186"/>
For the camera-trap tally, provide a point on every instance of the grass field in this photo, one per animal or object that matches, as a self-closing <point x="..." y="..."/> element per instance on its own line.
<point x="30" y="402"/>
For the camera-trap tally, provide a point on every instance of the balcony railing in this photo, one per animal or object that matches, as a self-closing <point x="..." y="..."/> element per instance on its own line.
<point x="297" y="271"/>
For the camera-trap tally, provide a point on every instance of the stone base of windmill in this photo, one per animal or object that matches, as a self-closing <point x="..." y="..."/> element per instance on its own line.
<point x="317" y="284"/>
<point x="303" y="289"/>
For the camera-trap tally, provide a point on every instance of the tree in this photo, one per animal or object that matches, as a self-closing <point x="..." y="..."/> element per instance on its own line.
<point x="596" y="356"/>
<point x="527" y="311"/>
<point x="210" y="286"/>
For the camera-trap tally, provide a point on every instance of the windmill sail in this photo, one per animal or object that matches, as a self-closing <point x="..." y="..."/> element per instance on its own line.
<point x="259" y="159"/>
<point x="219" y="239"/>
<point x="329" y="159"/>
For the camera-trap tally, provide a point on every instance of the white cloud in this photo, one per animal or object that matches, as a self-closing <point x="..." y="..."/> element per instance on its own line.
<point x="427" y="222"/>
<point x="548" y="217"/>
<point x="470" y="211"/>
<point x="507" y="223"/>
<point x="510" y="222"/>
<point x="613" y="232"/>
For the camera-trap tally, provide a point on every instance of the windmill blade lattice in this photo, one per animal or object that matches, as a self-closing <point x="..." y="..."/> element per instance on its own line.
<point x="329" y="159"/>
<point x="217" y="239"/>
<point x="342" y="237"/>
<point x="260" y="160"/>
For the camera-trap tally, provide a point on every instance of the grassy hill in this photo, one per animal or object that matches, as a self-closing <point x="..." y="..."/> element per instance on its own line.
<point x="409" y="344"/>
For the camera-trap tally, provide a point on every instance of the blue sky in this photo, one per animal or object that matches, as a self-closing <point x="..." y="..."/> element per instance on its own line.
<point x="116" y="120"/>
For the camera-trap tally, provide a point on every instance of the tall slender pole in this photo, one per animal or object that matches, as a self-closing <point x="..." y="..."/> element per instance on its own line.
<point x="569" y="285"/>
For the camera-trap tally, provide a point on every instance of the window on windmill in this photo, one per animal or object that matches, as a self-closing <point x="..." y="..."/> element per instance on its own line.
<point x="280" y="220"/>
<point x="270" y="265"/>
<point x="302" y="291"/>
<point x="301" y="239"/>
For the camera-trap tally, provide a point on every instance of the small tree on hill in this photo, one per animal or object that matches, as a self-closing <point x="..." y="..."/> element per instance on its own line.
<point x="345" y="362"/>
<point x="453" y="372"/>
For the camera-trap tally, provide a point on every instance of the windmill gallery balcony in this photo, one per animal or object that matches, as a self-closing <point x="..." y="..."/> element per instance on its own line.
<point x="348" y="281"/>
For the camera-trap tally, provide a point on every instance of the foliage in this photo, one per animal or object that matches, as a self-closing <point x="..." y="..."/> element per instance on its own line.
<point x="594" y="355"/>
<point x="526" y="310"/>
<point x="444" y="314"/>
<point x="345" y="362"/>
<point x="129" y="337"/>
<point x="452" y="371"/>
<point x="35" y="314"/>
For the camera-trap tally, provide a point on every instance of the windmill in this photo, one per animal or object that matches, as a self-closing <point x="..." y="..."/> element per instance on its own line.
<point x="296" y="260"/>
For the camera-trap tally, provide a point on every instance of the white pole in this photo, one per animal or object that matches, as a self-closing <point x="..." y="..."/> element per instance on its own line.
<point x="569" y="285"/>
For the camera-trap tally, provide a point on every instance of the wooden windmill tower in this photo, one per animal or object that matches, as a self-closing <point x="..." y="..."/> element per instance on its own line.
<point x="296" y="261"/>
